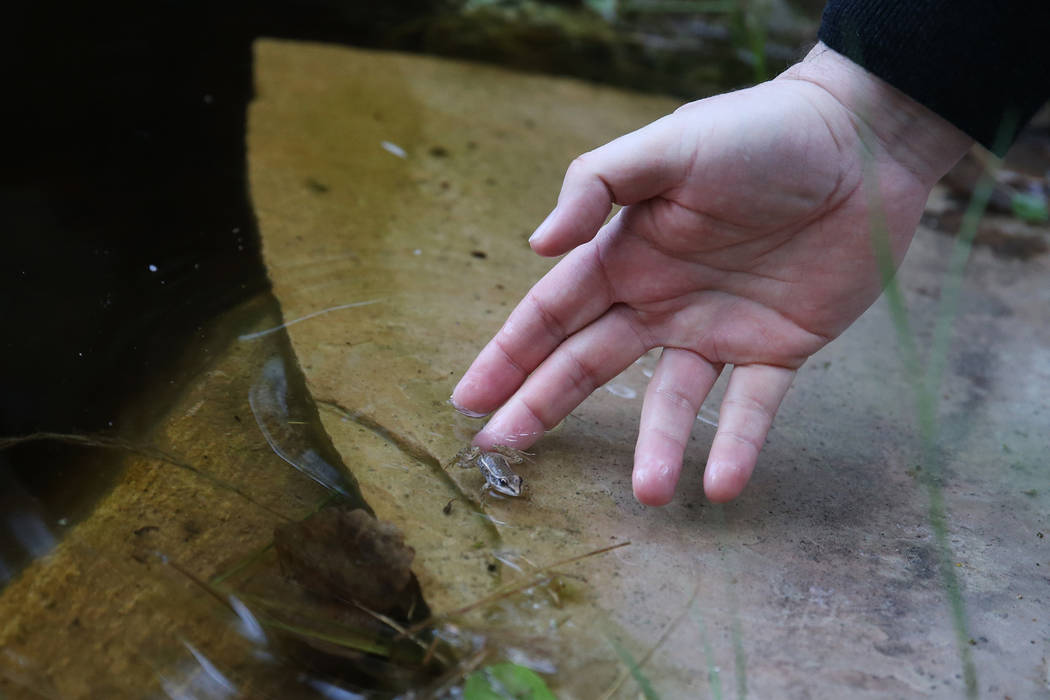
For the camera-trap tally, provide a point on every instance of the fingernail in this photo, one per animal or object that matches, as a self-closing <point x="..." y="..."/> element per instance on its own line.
<point x="465" y="411"/>
<point x="541" y="230"/>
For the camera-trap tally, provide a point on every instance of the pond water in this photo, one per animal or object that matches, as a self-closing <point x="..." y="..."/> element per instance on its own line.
<point x="220" y="396"/>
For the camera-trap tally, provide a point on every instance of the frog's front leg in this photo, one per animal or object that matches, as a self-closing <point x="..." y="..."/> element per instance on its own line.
<point x="510" y="454"/>
<point x="466" y="457"/>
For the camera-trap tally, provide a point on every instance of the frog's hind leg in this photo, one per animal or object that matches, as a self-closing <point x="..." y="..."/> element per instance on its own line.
<point x="512" y="455"/>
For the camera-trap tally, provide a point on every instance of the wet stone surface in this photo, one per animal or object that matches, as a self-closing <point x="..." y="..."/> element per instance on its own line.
<point x="395" y="196"/>
<point x="348" y="555"/>
<point x="823" y="580"/>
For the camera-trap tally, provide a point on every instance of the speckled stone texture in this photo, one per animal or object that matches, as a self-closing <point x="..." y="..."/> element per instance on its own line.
<point x="414" y="183"/>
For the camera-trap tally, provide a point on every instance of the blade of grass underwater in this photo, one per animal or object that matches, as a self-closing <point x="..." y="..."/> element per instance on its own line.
<point x="937" y="360"/>
<point x="347" y="640"/>
<point x="258" y="554"/>
<point x="713" y="679"/>
<point x="668" y="630"/>
<point x="241" y="565"/>
<point x="636" y="672"/>
<point x="410" y="448"/>
<point x="346" y="637"/>
<point x="543" y="573"/>
<point x="982" y="194"/>
<point x="926" y="405"/>
<point x="736" y="630"/>
<point x="927" y="385"/>
<point x="754" y="27"/>
<point x="112" y="443"/>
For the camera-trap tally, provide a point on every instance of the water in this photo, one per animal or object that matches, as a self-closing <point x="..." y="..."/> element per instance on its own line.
<point x="174" y="429"/>
<point x="125" y="197"/>
<point x="183" y="413"/>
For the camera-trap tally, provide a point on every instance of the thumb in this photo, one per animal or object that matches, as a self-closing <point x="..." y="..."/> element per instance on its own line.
<point x="641" y="165"/>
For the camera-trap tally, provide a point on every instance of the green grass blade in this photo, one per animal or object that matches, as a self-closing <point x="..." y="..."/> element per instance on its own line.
<point x="636" y="672"/>
<point x="927" y="384"/>
<point x="713" y="679"/>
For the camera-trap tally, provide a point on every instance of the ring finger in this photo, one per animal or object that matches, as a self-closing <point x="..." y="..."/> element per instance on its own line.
<point x="680" y="383"/>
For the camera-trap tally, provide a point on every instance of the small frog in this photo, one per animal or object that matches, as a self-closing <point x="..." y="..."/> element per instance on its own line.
<point x="495" y="467"/>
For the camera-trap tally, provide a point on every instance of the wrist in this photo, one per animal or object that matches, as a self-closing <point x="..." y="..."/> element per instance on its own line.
<point x="885" y="118"/>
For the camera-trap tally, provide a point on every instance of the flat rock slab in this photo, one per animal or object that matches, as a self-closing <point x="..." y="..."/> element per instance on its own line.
<point x="395" y="195"/>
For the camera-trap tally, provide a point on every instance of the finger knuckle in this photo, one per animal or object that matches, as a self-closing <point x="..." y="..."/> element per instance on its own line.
<point x="581" y="374"/>
<point x="749" y="405"/>
<point x="550" y="322"/>
<point x="580" y="165"/>
<point x="668" y="437"/>
<point x="749" y="440"/>
<point x="677" y="398"/>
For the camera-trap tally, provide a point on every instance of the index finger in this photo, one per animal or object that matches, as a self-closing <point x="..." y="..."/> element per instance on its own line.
<point x="630" y="169"/>
<point x="567" y="298"/>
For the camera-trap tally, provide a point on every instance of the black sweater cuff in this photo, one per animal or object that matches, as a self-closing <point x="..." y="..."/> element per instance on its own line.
<point x="984" y="65"/>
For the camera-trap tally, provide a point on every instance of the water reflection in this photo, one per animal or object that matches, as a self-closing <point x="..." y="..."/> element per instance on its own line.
<point x="332" y="692"/>
<point x="249" y="626"/>
<point x="202" y="681"/>
<point x="25" y="533"/>
<point x="284" y="420"/>
<point x="189" y="524"/>
<point x="30" y="532"/>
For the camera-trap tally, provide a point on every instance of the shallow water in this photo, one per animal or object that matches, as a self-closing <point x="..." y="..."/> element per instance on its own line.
<point x="834" y="533"/>
<point x="395" y="195"/>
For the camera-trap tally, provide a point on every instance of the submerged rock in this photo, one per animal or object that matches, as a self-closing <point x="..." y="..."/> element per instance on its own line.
<point x="348" y="555"/>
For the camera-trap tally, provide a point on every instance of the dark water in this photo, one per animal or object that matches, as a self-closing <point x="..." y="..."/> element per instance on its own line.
<point x="127" y="220"/>
<point x="129" y="231"/>
<point x="127" y="223"/>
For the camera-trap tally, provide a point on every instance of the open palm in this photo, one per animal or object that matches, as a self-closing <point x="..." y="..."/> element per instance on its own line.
<point x="744" y="240"/>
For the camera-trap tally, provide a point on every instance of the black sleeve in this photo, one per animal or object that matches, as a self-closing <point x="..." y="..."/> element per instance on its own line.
<point x="983" y="65"/>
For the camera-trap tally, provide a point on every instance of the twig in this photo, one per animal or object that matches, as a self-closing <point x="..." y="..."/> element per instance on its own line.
<point x="499" y="595"/>
<point x="400" y="629"/>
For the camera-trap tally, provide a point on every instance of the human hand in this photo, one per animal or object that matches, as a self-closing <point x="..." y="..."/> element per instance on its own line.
<point x="744" y="240"/>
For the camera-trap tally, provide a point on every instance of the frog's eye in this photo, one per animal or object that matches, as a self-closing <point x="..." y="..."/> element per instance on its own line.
<point x="503" y="482"/>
